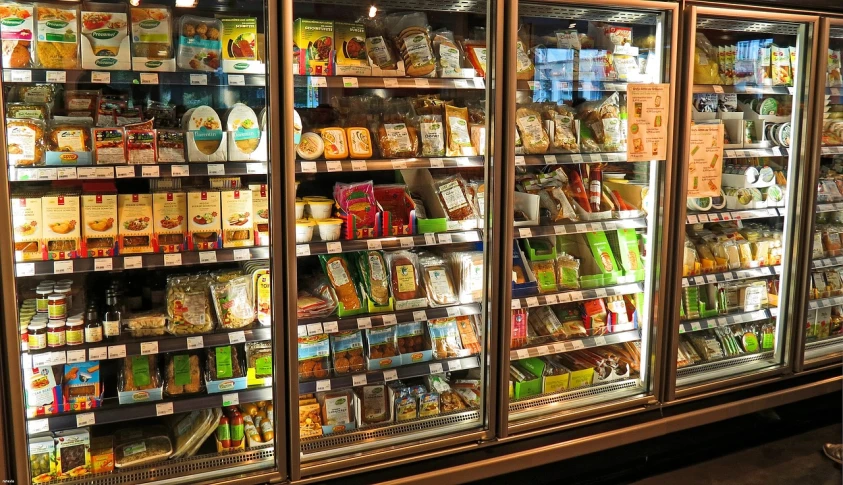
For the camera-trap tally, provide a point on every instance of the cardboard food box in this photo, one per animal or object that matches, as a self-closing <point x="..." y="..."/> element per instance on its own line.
<point x="350" y="40"/>
<point x="134" y="212"/>
<point x="314" y="41"/>
<point x="169" y="211"/>
<point x="99" y="225"/>
<point x="73" y="453"/>
<point x="105" y="38"/>
<point x="27" y="224"/>
<point x="62" y="234"/>
<point x="203" y="220"/>
<point x="260" y="207"/>
<point x="240" y="46"/>
<point x="237" y="218"/>
<point x="152" y="39"/>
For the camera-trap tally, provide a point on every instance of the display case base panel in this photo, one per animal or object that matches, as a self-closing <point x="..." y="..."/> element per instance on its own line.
<point x="185" y="470"/>
<point x="824" y="347"/>
<point x="582" y="396"/>
<point x="386" y="435"/>
<point x="709" y="371"/>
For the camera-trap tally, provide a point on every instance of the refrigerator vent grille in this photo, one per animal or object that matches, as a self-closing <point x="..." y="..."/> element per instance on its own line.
<point x="745" y="26"/>
<point x="470" y="6"/>
<point x="581" y="393"/>
<point x="721" y="364"/>
<point x="366" y="434"/>
<point x="183" y="470"/>
<point x="591" y="14"/>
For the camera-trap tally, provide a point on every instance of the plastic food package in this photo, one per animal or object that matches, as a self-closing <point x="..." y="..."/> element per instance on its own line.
<point x="143" y="451"/>
<point x="398" y="140"/>
<point x="373" y="271"/>
<point x="358" y="201"/>
<point x="410" y="337"/>
<point x="567" y="272"/>
<point x="140" y="373"/>
<point x="183" y="374"/>
<point x="347" y="350"/>
<point x="234" y="302"/>
<point x="71" y="136"/>
<point x="200" y="45"/>
<point x="188" y="305"/>
<point x="468" y="334"/>
<point x="223" y="363"/>
<point x="338" y="270"/>
<point x="475" y="51"/>
<point x="190" y="430"/>
<point x="146" y="324"/>
<point x="25" y="142"/>
<point x="448" y="55"/>
<point x="438" y="282"/>
<point x="545" y="272"/>
<point x="600" y="125"/>
<point x="451" y="192"/>
<point x="410" y="32"/>
<point x="450" y="401"/>
<point x="57" y="28"/>
<point x="404" y="275"/>
<point x="456" y="128"/>
<point x="313" y="352"/>
<point x="467" y="268"/>
<point x="336" y="408"/>
<point x="17" y="37"/>
<point x="445" y="338"/>
<point x="375" y="404"/>
<point x="706" y="67"/>
<point x="533" y="136"/>
<point x="432" y="135"/>
<point x="259" y="358"/>
<point x="381" y="342"/>
<point x="30" y="111"/>
<point x="406" y="408"/>
<point x="546" y="323"/>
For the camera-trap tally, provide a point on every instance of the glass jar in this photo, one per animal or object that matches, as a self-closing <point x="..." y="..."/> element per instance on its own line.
<point x="56" y="334"/>
<point x="75" y="331"/>
<point x="24" y="337"/>
<point x="67" y="292"/>
<point x="57" y="309"/>
<point x="42" y="301"/>
<point x="37" y="333"/>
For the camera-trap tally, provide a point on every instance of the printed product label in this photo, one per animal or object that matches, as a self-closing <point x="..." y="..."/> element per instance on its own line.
<point x="453" y="196"/>
<point x="397" y="133"/>
<point x="338" y="273"/>
<point x="418" y="50"/>
<point x="406" y="277"/>
<point x="459" y="131"/>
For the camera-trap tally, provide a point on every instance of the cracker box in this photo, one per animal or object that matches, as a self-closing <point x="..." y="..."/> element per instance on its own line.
<point x="169" y="211"/>
<point x="26" y="220"/>
<point x="237" y="218"/>
<point x="260" y="207"/>
<point x="203" y="220"/>
<point x="105" y="38"/>
<point x="315" y="40"/>
<point x="350" y="42"/>
<point x="62" y="234"/>
<point x="135" y="216"/>
<point x="73" y="453"/>
<point x="99" y="225"/>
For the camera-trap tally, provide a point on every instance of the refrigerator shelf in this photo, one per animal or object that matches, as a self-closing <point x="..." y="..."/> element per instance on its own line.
<point x="723" y="367"/>
<point x="758" y="152"/>
<point x="125" y="78"/>
<point x="138" y="261"/>
<point x="577" y="295"/>
<point x="742" y="89"/>
<point x="385" y="375"/>
<point x="379" y="82"/>
<point x="111" y="172"/>
<point x="569" y="158"/>
<point x="827" y="262"/>
<point x="724" y="320"/>
<point x="698" y="217"/>
<point x="325" y="166"/>
<point x="572" y="345"/>
<point x="115" y="413"/>
<point x="128" y="346"/>
<point x="573" y="85"/>
<point x="832" y="207"/>
<point x="395" y="242"/>
<point x="315" y="326"/>
<point x="581" y="227"/>
<point x="741" y="274"/>
<point x="831" y="150"/>
<point x="594" y="391"/>
<point x="825" y="302"/>
<point x="824" y="347"/>
<point x="834" y="91"/>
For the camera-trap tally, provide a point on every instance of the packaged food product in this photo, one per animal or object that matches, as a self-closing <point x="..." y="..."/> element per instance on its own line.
<point x="242" y="125"/>
<point x="375" y="403"/>
<point x="310" y="420"/>
<point x="404" y="278"/>
<point x="206" y="127"/>
<point x="456" y="127"/>
<point x="373" y="271"/>
<point x="17" y="37"/>
<point x="410" y="337"/>
<point x="450" y="401"/>
<point x="451" y="192"/>
<point x="109" y="145"/>
<point x="438" y="282"/>
<point x="445" y="338"/>
<point x="146" y="324"/>
<point x="170" y="145"/>
<point x="183" y="374"/>
<point x="170" y="215"/>
<point x="31" y="111"/>
<point x="27" y="225"/>
<point x="144" y="451"/>
<point x="57" y="28"/>
<point x="398" y="140"/>
<point x="105" y="37"/>
<point x="190" y="430"/>
<point x="42" y="450"/>
<point x="188" y="305"/>
<point x="706" y="66"/>
<point x="339" y="274"/>
<point x="406" y="407"/>
<point x="203" y="220"/>
<point x="134" y="212"/>
<point x="475" y="51"/>
<point x="533" y="136"/>
<point x="140" y="146"/>
<point x="152" y="47"/>
<point x="99" y="224"/>
<point x="259" y="358"/>
<point x="200" y="45"/>
<point x="313" y="352"/>
<point x="240" y="43"/>
<point x="381" y="343"/>
<point x="413" y="42"/>
<point x="73" y="453"/>
<point x="468" y="334"/>
<point x="61" y="229"/>
<point x="359" y="142"/>
<point x="357" y="201"/>
<point x="25" y="142"/>
<point x="315" y="42"/>
<point x="336" y="408"/>
<point x="140" y="373"/>
<point x="224" y="363"/>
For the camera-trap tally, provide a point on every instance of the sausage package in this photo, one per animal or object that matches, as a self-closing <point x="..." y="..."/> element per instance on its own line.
<point x="375" y="276"/>
<point x="405" y="280"/>
<point x="342" y="281"/>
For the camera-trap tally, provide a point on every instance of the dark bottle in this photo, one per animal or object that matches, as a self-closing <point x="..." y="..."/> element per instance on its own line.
<point x="93" y="325"/>
<point x="112" y="315"/>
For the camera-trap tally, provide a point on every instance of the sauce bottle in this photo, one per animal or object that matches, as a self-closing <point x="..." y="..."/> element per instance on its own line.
<point x="224" y="433"/>
<point x="237" y="430"/>
<point x="595" y="187"/>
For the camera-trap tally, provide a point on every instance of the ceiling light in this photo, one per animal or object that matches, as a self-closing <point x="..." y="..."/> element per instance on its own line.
<point x="373" y="11"/>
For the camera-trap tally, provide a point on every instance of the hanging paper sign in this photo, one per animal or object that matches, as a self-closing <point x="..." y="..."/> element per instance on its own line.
<point x="647" y="107"/>
<point x="705" y="166"/>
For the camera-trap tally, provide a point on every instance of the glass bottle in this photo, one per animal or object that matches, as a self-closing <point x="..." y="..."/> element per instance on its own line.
<point x="93" y="325"/>
<point x="111" y="316"/>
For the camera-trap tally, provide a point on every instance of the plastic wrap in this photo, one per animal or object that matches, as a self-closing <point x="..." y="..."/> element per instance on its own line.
<point x="183" y="374"/>
<point x="438" y="282"/>
<point x="189" y="305"/>
<point x="140" y="373"/>
<point x="234" y="302"/>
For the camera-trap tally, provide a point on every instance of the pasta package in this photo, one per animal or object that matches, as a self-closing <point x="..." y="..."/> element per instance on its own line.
<point x="456" y="127"/>
<point x="57" y="29"/>
<point x="188" y="305"/>
<point x="342" y="280"/>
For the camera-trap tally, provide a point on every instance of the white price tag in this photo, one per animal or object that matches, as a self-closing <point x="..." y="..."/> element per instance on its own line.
<point x="63" y="267"/>
<point x="21" y="76"/>
<point x="525" y="232"/>
<point x="576" y="295"/>
<point x="551" y="299"/>
<point x="576" y="158"/>
<point x="390" y="82"/>
<point x="454" y="365"/>
<point x="75" y="356"/>
<point x="695" y="326"/>
<point x="323" y="385"/>
<point x="692" y="219"/>
<point x="57" y="358"/>
<point x="149" y="78"/>
<point x="216" y="169"/>
<point x="56" y="77"/>
<point x="698" y="280"/>
<point x="255" y="168"/>
<point x="314" y="329"/>
<point x="399" y="164"/>
<point x="453" y="311"/>
<point x="437" y="163"/>
<point x="236" y="80"/>
<point x="710" y="279"/>
<point x="334" y="165"/>
<point x="242" y="255"/>
<point x="406" y="242"/>
<point x="103" y="264"/>
<point x="132" y="262"/>
<point x="164" y="409"/>
<point x="436" y="368"/>
<point x="350" y="82"/>
<point x="180" y="170"/>
<point x="717" y="89"/>
<point x="374" y="245"/>
<point x="531" y="85"/>
<point x="303" y="250"/>
<point x="308" y="167"/>
<point x="389" y="320"/>
<point x="364" y="322"/>
<point x="42" y="360"/>
<point x="522" y="354"/>
<point x="116" y="351"/>
<point x="598" y="341"/>
<point x="232" y="399"/>
<point x="359" y="380"/>
<point x="124" y="172"/>
<point x="38" y="426"/>
<point x="172" y="259"/>
<point x="479" y="83"/>
<point x="198" y="79"/>
<point x="99" y="353"/>
<point x="208" y="257"/>
<point x="600" y="292"/>
<point x="429" y="239"/>
<point x="237" y="337"/>
<point x="520" y="160"/>
<point x="419" y="316"/>
<point x="195" y="343"/>
<point x="334" y="247"/>
<point x="318" y="82"/>
<point x="728" y="276"/>
<point x="445" y="239"/>
<point x="359" y="166"/>
<point x="330" y="327"/>
<point x="461" y="83"/>
<point x="516" y="304"/>
<point x="25" y="269"/>
<point x="86" y="173"/>
<point x="85" y="419"/>
<point x="563" y="297"/>
<point x="148" y="348"/>
<point x="550" y="159"/>
<point x="577" y="344"/>
<point x="390" y="375"/>
<point x="532" y="301"/>
<point x="100" y="77"/>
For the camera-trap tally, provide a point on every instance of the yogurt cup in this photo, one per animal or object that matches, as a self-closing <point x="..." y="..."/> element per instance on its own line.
<point x="300" y="209"/>
<point x="329" y="229"/>
<point x="320" y="209"/>
<point x="304" y="230"/>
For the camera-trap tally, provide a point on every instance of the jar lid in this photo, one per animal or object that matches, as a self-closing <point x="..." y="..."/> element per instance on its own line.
<point x="75" y="322"/>
<point x="62" y="289"/>
<point x="37" y="326"/>
<point x="56" y="324"/>
<point x="64" y="282"/>
<point x="56" y="296"/>
<point x="44" y="291"/>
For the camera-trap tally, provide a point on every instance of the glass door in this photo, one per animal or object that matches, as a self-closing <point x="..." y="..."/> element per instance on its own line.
<point x="823" y="335"/>
<point x="138" y="266"/>
<point x="592" y="144"/>
<point x="390" y="195"/>
<point x="744" y="134"/>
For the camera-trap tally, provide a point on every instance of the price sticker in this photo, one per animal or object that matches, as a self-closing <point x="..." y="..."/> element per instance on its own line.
<point x="323" y="385"/>
<point x="525" y="232"/>
<point x="717" y="89"/>
<point x="454" y="365"/>
<point x="148" y="348"/>
<point x="195" y="343"/>
<point x="42" y="360"/>
<point x="419" y="316"/>
<point x="453" y="311"/>
<point x="38" y="426"/>
<point x="334" y="165"/>
<point x="479" y="83"/>
<point x="364" y="322"/>
<point x="56" y="77"/>
<point x="600" y="292"/>
<point x="692" y="219"/>
<point x="103" y="264"/>
<point x="399" y="164"/>
<point x="359" y="380"/>
<point x="172" y="259"/>
<point x="576" y="158"/>
<point x="560" y="229"/>
<point x="703" y="217"/>
<point x="576" y="296"/>
<point x="330" y="327"/>
<point x="21" y="76"/>
<point x="698" y="280"/>
<point x="695" y="326"/>
<point x="551" y="299"/>
<point x="75" y="356"/>
<point x="563" y="297"/>
<point x="437" y="163"/>
<point x="522" y="354"/>
<point x="308" y="167"/>
<point x="374" y="244"/>
<point x="124" y="172"/>
<point x="99" y="353"/>
<point x="216" y="169"/>
<point x="314" y="329"/>
<point x="350" y="82"/>
<point x="208" y="257"/>
<point x="180" y="170"/>
<point x="445" y="239"/>
<point x="359" y="166"/>
<point x="520" y="160"/>
<point x="710" y="279"/>
<point x="164" y="409"/>
<point x="236" y="80"/>
<point x="406" y="242"/>
<point x="149" y="78"/>
<point x="389" y="320"/>
<point x="598" y="341"/>
<point x="532" y="301"/>
<point x="390" y="375"/>
<point x="516" y="304"/>
<point x="66" y="173"/>
<point x="422" y="82"/>
<point x="85" y="419"/>
<point x="303" y="250"/>
<point x="334" y="247"/>
<point x="86" y="173"/>
<point x="232" y="399"/>
<point x="728" y="276"/>
<point x="237" y="337"/>
<point x="436" y="368"/>
<point x="63" y="267"/>
<point x="577" y="344"/>
<point x="550" y="159"/>
<point x="390" y="82"/>
<point x="461" y="83"/>
<point x="116" y="351"/>
<point x="100" y="77"/>
<point x="429" y="239"/>
<point x="242" y="255"/>
<point x="198" y="79"/>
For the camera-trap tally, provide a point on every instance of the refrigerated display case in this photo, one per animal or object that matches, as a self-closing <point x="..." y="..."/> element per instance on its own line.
<point x="389" y="196"/>
<point x="137" y="190"/>
<point x="744" y="145"/>
<point x="822" y="337"/>
<point x="591" y="149"/>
